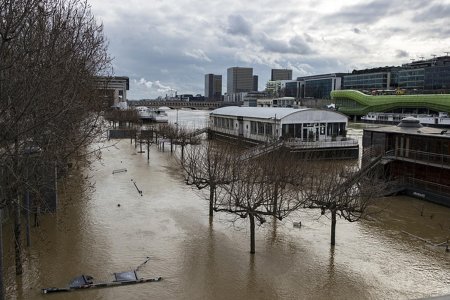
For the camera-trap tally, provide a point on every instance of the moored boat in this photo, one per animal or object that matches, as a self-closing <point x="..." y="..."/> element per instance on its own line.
<point x="147" y="114"/>
<point x="160" y="116"/>
<point x="144" y="113"/>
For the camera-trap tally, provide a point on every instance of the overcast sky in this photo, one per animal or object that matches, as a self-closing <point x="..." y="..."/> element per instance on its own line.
<point x="164" y="45"/>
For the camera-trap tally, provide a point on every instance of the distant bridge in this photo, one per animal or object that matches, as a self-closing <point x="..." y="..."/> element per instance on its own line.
<point x="181" y="104"/>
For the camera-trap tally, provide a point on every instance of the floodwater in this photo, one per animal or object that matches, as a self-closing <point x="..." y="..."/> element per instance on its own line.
<point x="91" y="234"/>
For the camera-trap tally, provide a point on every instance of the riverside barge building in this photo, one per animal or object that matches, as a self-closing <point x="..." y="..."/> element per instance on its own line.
<point x="416" y="158"/>
<point x="299" y="130"/>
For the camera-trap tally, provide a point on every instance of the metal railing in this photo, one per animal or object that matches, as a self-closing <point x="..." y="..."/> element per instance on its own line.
<point x="321" y="144"/>
<point x="440" y="160"/>
<point x="261" y="150"/>
<point x="426" y="185"/>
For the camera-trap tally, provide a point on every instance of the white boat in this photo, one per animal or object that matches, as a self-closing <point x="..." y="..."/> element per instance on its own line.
<point x="159" y="115"/>
<point x="151" y="114"/>
<point x="144" y="113"/>
<point x="440" y="120"/>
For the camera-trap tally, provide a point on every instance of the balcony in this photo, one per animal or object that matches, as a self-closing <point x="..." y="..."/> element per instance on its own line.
<point x="339" y="143"/>
<point x="419" y="157"/>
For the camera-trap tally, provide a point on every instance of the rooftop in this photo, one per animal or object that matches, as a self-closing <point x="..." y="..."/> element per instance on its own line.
<point x="257" y="112"/>
<point x="411" y="126"/>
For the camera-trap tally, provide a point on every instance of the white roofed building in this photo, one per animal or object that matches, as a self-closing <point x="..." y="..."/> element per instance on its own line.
<point x="296" y="128"/>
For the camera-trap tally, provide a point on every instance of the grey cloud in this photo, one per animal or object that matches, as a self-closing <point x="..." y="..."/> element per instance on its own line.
<point x="173" y="47"/>
<point x="401" y="53"/>
<point x="237" y="25"/>
<point x="296" y="45"/>
<point x="414" y="4"/>
<point x="299" y="45"/>
<point x="308" y="38"/>
<point x="365" y="13"/>
<point x="435" y="12"/>
<point x="396" y="30"/>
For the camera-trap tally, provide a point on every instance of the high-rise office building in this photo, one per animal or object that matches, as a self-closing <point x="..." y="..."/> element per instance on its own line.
<point x="239" y="80"/>
<point x="281" y="74"/>
<point x="213" y="87"/>
<point x="255" y="83"/>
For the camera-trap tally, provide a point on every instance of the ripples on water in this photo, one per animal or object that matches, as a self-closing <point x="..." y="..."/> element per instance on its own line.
<point x="90" y="234"/>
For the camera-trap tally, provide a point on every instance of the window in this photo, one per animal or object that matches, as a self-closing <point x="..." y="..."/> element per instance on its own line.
<point x="269" y="129"/>
<point x="253" y="129"/>
<point x="260" y="128"/>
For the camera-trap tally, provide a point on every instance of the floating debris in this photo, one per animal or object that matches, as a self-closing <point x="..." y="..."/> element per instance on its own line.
<point x="139" y="191"/>
<point x="87" y="282"/>
<point x="119" y="171"/>
<point x="443" y="244"/>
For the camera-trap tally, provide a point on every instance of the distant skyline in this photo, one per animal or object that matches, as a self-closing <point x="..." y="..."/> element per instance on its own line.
<point x="163" y="46"/>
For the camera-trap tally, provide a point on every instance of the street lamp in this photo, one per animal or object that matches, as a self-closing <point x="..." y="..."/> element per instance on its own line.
<point x="176" y="123"/>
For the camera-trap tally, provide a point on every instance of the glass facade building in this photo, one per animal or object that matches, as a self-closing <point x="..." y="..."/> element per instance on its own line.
<point x="320" y="86"/>
<point x="383" y="78"/>
<point x="319" y="89"/>
<point x="367" y="81"/>
<point x="292" y="89"/>
<point x="437" y="78"/>
<point x="411" y="78"/>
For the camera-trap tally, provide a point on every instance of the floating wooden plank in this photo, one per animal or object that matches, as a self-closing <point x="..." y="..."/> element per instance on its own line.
<point x="99" y="285"/>
<point x="119" y="171"/>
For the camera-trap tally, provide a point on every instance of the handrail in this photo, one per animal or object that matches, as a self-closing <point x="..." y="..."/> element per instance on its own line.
<point x="320" y="144"/>
<point x="199" y="131"/>
<point x="261" y="149"/>
<point x="427" y="184"/>
<point x="419" y="156"/>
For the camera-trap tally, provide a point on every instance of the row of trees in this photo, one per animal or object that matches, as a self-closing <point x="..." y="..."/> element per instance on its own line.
<point x="50" y="108"/>
<point x="278" y="184"/>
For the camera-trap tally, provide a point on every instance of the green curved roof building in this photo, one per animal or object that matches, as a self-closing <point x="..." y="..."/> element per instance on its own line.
<point x="355" y="103"/>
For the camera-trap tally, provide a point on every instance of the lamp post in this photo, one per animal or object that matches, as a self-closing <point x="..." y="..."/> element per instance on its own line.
<point x="176" y="123"/>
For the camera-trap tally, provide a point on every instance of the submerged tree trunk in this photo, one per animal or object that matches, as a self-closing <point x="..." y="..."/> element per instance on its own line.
<point x="212" y="190"/>
<point x="2" y="289"/>
<point x="333" y="227"/>
<point x="16" y="214"/>
<point x="17" y="237"/>
<point x="27" y="207"/>
<point x="275" y="199"/>
<point x="182" y="152"/>
<point x="252" y="233"/>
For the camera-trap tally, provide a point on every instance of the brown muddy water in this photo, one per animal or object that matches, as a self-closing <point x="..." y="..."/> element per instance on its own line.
<point x="91" y="234"/>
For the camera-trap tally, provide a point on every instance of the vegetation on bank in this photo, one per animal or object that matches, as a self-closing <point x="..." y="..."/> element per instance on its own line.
<point x="50" y="107"/>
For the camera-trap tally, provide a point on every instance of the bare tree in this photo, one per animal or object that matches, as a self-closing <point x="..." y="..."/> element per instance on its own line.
<point x="50" y="53"/>
<point x="342" y="189"/>
<point x="253" y="193"/>
<point x="129" y="116"/>
<point x="185" y="136"/>
<point x="209" y="165"/>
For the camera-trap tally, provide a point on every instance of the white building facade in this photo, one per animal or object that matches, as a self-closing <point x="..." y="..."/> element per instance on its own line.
<point x="277" y="102"/>
<point x="265" y="124"/>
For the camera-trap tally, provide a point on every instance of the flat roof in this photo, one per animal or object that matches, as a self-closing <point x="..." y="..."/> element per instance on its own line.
<point x="422" y="131"/>
<point x="257" y="112"/>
